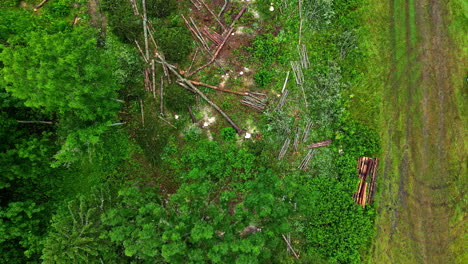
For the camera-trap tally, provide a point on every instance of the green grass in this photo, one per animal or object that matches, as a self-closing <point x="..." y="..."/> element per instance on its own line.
<point x="404" y="115"/>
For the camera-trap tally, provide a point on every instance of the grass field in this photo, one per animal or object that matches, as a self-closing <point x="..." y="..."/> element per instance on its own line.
<point x="420" y="70"/>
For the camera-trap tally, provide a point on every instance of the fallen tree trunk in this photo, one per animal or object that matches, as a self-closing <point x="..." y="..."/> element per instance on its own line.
<point x="217" y="88"/>
<point x="35" y="122"/>
<point x="40" y="5"/>
<point x="220" y="47"/>
<point x="320" y="144"/>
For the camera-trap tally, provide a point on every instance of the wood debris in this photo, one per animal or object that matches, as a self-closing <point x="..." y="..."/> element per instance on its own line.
<point x="282" y="100"/>
<point x="320" y="144"/>
<point x="40" y="5"/>
<point x="304" y="58"/>
<point x="366" y="188"/>
<point x="255" y="100"/>
<point x="284" y="149"/>
<point x="290" y="248"/>
<point x="306" y="160"/>
<point x="297" y="138"/>
<point x="307" y="131"/>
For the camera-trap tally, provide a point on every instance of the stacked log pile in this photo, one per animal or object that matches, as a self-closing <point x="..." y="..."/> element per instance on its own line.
<point x="367" y="169"/>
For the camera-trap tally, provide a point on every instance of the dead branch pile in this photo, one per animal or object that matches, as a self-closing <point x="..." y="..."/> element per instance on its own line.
<point x="158" y="56"/>
<point x="365" y="191"/>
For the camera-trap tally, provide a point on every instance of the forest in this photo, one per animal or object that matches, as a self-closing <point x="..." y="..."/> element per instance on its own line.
<point x="173" y="131"/>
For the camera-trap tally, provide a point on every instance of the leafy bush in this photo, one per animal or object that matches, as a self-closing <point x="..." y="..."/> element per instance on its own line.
<point x="265" y="49"/>
<point x="123" y="23"/>
<point x="178" y="98"/>
<point x="175" y="42"/>
<point x="58" y="9"/>
<point x="228" y="133"/>
<point x="10" y="3"/>
<point x="160" y="8"/>
<point x="318" y="13"/>
<point x="263" y="77"/>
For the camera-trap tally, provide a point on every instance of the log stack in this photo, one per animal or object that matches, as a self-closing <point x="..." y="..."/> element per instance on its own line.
<point x="367" y="170"/>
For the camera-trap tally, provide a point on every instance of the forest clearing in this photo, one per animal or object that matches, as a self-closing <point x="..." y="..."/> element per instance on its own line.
<point x="229" y="131"/>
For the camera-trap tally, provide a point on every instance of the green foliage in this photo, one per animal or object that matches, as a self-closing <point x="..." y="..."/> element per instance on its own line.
<point x="160" y="8"/>
<point x="228" y="133"/>
<point x="76" y="232"/>
<point x="136" y="223"/>
<point x="177" y="98"/>
<point x="10" y="3"/>
<point x="266" y="51"/>
<point x="263" y="77"/>
<point x="318" y="13"/>
<point x="335" y="226"/>
<point x="59" y="9"/>
<point x="21" y="222"/>
<point x="265" y="48"/>
<point x="169" y="37"/>
<point x="71" y="74"/>
<point x="123" y="23"/>
<point x="324" y="95"/>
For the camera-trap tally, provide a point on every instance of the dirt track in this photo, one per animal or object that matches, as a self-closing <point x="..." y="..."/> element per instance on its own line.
<point x="424" y="146"/>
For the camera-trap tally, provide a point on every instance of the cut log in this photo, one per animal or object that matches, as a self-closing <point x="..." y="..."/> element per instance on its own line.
<point x="217" y="88"/>
<point x="212" y="14"/>
<point x="220" y="47"/>
<point x="35" y="122"/>
<point x="142" y="113"/>
<point x="320" y="144"/>
<point x="40" y="5"/>
<point x="290" y="247"/>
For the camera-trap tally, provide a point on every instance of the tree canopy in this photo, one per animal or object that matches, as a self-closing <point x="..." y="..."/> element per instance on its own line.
<point x="61" y="72"/>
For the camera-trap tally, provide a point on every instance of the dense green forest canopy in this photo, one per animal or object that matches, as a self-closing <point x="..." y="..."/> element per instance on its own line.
<point x="95" y="170"/>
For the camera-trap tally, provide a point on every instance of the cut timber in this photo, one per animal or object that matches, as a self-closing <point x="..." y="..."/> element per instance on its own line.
<point x="40" y="5"/>
<point x="153" y="78"/>
<point x="192" y="116"/>
<point x="320" y="144"/>
<point x="285" y="82"/>
<point x="284" y="148"/>
<point x="306" y="131"/>
<point x="202" y="95"/>
<point x="135" y="7"/>
<point x="366" y="189"/>
<point x="212" y="14"/>
<point x="167" y="122"/>
<point x="145" y="29"/>
<point x="217" y="88"/>
<point x="35" y="122"/>
<point x="142" y="113"/>
<point x="290" y="247"/>
<point x="297" y="138"/>
<point x="220" y="47"/>
<point x="282" y="100"/>
<point x="213" y="36"/>
<point x="226" y="2"/>
<point x="161" y="95"/>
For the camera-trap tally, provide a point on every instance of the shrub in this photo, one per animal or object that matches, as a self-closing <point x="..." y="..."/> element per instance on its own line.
<point x="124" y="24"/>
<point x="228" y="133"/>
<point x="263" y="77"/>
<point x="177" y="98"/>
<point x="160" y="8"/>
<point x="175" y="42"/>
